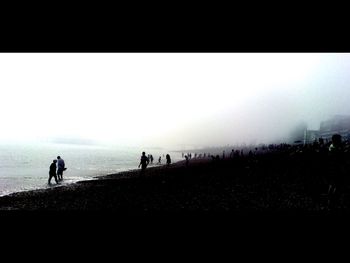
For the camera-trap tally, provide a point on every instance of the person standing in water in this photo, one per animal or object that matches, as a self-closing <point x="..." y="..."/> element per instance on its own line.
<point x="60" y="168"/>
<point x="168" y="160"/>
<point x="186" y="157"/>
<point x="143" y="163"/>
<point x="52" y="172"/>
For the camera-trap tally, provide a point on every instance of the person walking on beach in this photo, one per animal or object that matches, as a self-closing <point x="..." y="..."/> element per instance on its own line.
<point x="160" y="160"/>
<point x="52" y="172"/>
<point x="186" y="157"/>
<point x="143" y="163"/>
<point x="151" y="157"/>
<point x="60" y="168"/>
<point x="168" y="160"/>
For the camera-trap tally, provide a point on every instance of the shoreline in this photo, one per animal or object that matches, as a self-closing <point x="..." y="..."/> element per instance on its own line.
<point x="93" y="178"/>
<point x="126" y="174"/>
<point x="34" y="199"/>
<point x="266" y="184"/>
<point x="20" y="175"/>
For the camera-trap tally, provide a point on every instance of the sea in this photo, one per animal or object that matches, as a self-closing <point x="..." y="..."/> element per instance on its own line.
<point x="25" y="167"/>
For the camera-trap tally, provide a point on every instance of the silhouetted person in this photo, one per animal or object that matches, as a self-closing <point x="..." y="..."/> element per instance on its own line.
<point x="250" y="154"/>
<point x="186" y="157"/>
<point x="52" y="171"/>
<point x="151" y="158"/>
<point x="159" y="159"/>
<point x="168" y="160"/>
<point x="143" y="163"/>
<point x="320" y="141"/>
<point x="60" y="167"/>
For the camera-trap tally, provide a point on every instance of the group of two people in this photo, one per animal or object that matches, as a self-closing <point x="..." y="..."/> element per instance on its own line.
<point x="58" y="175"/>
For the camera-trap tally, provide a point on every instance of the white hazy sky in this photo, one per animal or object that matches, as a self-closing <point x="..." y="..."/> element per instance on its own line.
<point x="169" y="99"/>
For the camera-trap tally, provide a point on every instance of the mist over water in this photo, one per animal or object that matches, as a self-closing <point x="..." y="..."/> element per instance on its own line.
<point x="173" y="101"/>
<point x="169" y="100"/>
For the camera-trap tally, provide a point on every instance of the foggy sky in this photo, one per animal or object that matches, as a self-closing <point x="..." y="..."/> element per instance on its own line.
<point x="169" y="99"/>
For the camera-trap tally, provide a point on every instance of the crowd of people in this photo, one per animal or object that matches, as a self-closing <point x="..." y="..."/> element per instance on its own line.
<point x="317" y="169"/>
<point x="146" y="160"/>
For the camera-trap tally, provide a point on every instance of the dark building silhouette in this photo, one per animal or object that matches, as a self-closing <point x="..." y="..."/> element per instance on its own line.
<point x="339" y="124"/>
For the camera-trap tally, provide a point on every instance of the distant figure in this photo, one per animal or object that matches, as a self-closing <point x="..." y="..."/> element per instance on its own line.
<point x="60" y="168"/>
<point x="236" y="154"/>
<point x="168" y="160"/>
<point x="186" y="157"/>
<point x="321" y="141"/>
<point x="151" y="158"/>
<point x="250" y="154"/>
<point x="52" y="172"/>
<point x="232" y="153"/>
<point x="159" y="159"/>
<point x="143" y="163"/>
<point x="336" y="143"/>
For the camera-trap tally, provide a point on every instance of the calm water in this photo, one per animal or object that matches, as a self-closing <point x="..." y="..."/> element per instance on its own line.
<point x="26" y="167"/>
